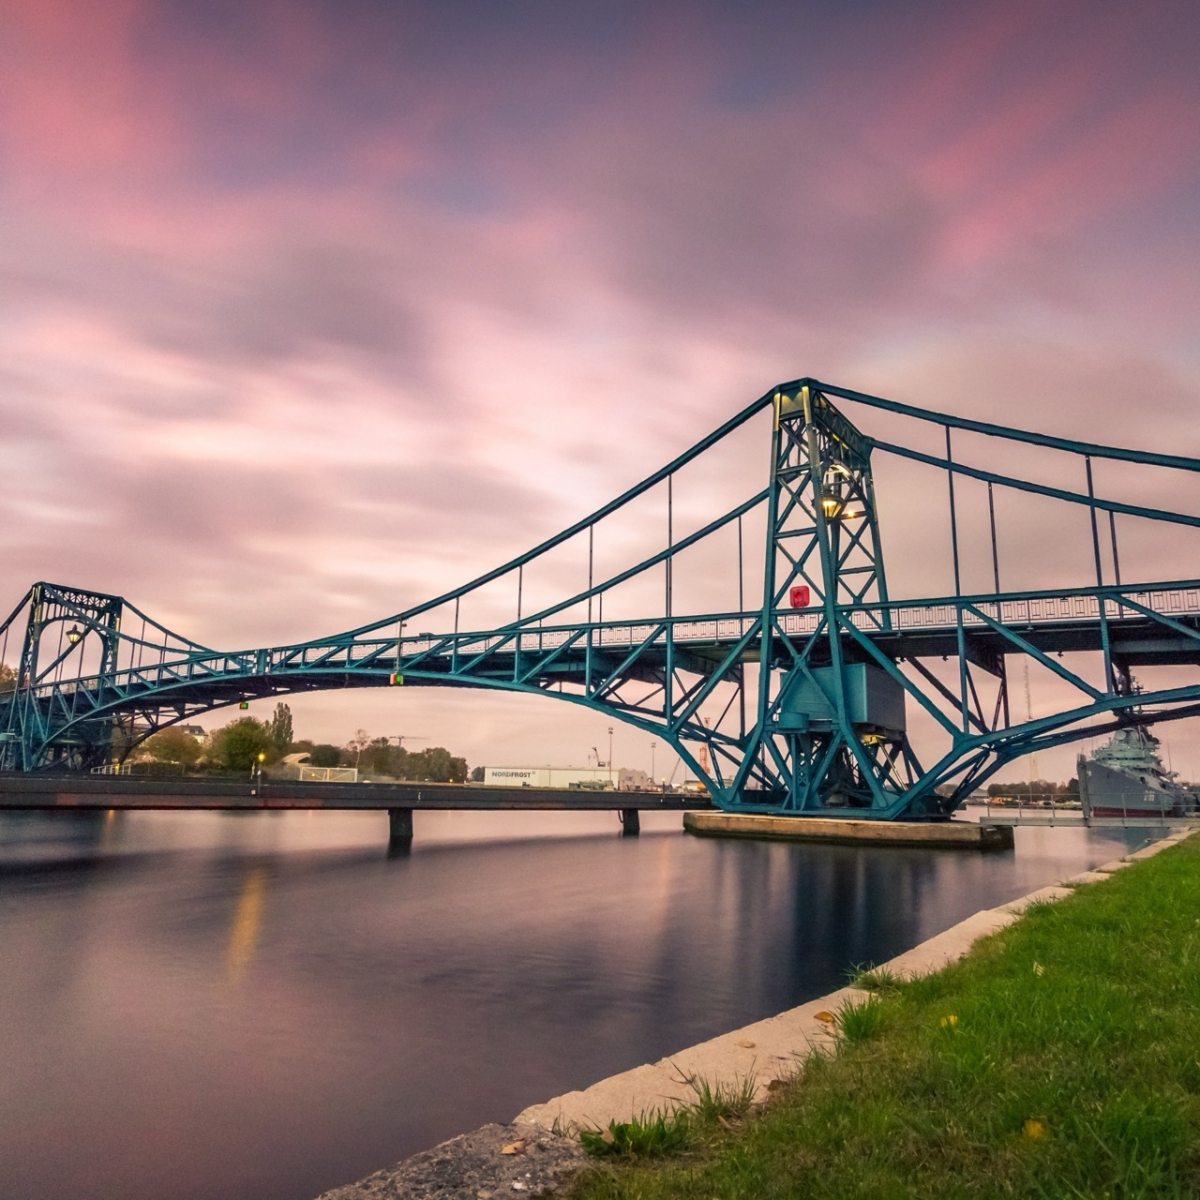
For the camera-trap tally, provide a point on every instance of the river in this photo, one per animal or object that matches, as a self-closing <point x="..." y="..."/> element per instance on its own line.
<point x="203" y="1005"/>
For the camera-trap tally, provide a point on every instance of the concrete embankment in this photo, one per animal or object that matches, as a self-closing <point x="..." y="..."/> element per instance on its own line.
<point x="528" y="1156"/>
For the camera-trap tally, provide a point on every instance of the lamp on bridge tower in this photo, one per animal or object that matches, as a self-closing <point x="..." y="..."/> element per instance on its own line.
<point x="74" y="635"/>
<point x="835" y="502"/>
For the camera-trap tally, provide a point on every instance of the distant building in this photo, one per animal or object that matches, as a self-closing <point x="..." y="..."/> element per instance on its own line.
<point x="196" y="731"/>
<point x="630" y="779"/>
<point x="555" y="777"/>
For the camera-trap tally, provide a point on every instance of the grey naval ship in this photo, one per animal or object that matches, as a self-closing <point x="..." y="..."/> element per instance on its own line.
<point x="1125" y="777"/>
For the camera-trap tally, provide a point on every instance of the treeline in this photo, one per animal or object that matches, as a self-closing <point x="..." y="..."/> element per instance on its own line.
<point x="247" y="742"/>
<point x="236" y="747"/>
<point x="377" y="756"/>
<point x="1037" y="788"/>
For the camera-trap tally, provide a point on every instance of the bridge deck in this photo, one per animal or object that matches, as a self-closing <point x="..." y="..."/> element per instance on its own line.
<point x="56" y="791"/>
<point x="700" y="644"/>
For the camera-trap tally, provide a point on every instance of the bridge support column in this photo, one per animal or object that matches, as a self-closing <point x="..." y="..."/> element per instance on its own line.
<point x="400" y="828"/>
<point x="631" y="822"/>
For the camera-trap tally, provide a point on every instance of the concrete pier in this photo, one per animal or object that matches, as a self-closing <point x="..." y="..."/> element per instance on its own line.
<point x="400" y="828"/>
<point x="956" y="835"/>
<point x="631" y="822"/>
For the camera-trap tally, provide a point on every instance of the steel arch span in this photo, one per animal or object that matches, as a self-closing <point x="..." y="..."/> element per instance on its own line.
<point x="807" y="694"/>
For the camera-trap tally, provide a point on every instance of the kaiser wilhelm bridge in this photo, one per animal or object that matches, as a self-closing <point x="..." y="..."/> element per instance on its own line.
<point x="817" y="691"/>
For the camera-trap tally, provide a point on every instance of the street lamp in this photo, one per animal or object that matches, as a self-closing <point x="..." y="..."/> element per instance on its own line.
<point x="74" y="635"/>
<point x="610" y="773"/>
<point x="653" y="747"/>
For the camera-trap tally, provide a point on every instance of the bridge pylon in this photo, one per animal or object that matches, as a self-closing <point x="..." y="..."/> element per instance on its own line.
<point x="831" y="729"/>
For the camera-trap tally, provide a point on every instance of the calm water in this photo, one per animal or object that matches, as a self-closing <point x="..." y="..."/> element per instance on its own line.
<point x="266" y="1005"/>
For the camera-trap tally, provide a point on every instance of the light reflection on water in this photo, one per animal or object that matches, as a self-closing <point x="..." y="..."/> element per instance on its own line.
<point x="266" y="1005"/>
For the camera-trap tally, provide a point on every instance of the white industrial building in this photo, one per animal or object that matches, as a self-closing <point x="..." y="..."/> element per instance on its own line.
<point x="622" y="778"/>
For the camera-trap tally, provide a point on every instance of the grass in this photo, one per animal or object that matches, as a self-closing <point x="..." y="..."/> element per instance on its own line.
<point x="859" y="1021"/>
<point x="646" y="1135"/>
<point x="719" y="1104"/>
<point x="664" y="1132"/>
<point x="875" y="979"/>
<point x="1060" y="1059"/>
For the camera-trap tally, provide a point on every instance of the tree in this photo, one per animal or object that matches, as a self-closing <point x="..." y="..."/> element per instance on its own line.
<point x="476" y="774"/>
<point x="380" y="758"/>
<point x="377" y="756"/>
<point x="358" y="743"/>
<point x="281" y="729"/>
<point x="437" y="765"/>
<point x="8" y="679"/>
<point x="325" y="755"/>
<point x="172" y="745"/>
<point x="238" y="746"/>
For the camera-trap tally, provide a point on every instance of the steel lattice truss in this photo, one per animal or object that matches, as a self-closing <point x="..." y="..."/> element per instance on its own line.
<point x="799" y="702"/>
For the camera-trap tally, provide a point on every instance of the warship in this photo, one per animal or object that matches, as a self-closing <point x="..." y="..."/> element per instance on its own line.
<point x="1125" y="777"/>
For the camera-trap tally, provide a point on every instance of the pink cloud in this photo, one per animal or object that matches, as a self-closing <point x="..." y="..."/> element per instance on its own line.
<point x="69" y="90"/>
<point x="1133" y="156"/>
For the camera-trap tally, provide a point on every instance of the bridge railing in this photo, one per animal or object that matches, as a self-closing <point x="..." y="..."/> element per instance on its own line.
<point x="1076" y="604"/>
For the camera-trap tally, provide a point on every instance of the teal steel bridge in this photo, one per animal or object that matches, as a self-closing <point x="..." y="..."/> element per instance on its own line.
<point x="803" y="698"/>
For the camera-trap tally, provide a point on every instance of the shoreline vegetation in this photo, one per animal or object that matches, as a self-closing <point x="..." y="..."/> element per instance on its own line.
<point x="248" y="743"/>
<point x="1060" y="1058"/>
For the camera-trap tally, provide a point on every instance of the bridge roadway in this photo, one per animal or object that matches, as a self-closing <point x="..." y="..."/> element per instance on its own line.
<point x="1050" y="622"/>
<point x="58" y="792"/>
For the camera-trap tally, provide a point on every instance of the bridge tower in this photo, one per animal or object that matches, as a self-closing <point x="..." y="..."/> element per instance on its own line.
<point x="830" y="728"/>
<point x="80" y="630"/>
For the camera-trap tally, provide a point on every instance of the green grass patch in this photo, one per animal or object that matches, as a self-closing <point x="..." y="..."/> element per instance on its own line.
<point x="646" y="1135"/>
<point x="1060" y="1059"/>
<point x="716" y="1104"/>
<point x="688" y="1125"/>
<point x="875" y="979"/>
<point x="860" y="1020"/>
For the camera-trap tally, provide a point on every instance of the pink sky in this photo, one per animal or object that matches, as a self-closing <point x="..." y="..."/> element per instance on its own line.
<point x="310" y="310"/>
